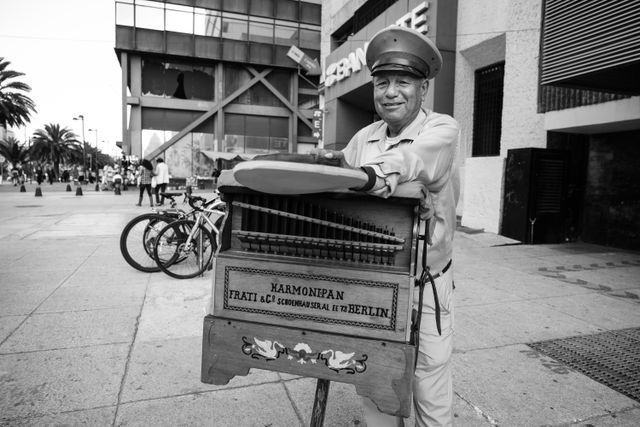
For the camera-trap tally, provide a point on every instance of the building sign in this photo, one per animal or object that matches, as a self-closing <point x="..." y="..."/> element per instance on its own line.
<point x="355" y="61"/>
<point x="317" y="124"/>
<point x="304" y="60"/>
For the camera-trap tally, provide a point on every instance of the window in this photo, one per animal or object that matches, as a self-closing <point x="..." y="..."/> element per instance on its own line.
<point x="261" y="7"/>
<point x="310" y="13"/>
<point x="255" y="134"/>
<point x="309" y="39"/>
<point x="286" y="35"/>
<point x="487" y="110"/>
<point x="124" y="14"/>
<point x="207" y="23"/>
<point x="173" y="80"/>
<point x="149" y="15"/>
<point x="179" y="18"/>
<point x="287" y="9"/>
<point x="261" y="32"/>
<point x="234" y="28"/>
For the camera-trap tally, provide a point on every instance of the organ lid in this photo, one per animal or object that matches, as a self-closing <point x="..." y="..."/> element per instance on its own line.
<point x="285" y="177"/>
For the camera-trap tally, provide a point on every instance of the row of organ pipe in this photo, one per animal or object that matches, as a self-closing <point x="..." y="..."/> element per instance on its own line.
<point x="295" y="227"/>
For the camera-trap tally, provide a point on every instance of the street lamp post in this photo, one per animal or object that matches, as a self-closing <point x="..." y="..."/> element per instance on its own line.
<point x="84" y="148"/>
<point x="96" y="162"/>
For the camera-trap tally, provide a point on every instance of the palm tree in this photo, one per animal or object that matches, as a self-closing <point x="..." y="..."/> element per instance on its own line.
<point x="15" y="107"/>
<point x="13" y="151"/>
<point x="55" y="145"/>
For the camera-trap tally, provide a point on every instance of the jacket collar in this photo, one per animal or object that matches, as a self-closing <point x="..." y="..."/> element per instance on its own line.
<point x="407" y="135"/>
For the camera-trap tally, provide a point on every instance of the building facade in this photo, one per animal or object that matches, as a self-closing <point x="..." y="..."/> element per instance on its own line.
<point x="546" y="97"/>
<point x="208" y="80"/>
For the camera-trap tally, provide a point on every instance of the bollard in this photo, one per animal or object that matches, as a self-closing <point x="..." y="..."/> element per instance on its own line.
<point x="22" y="189"/>
<point x="78" y="191"/>
<point x="116" y="191"/>
<point x="68" y="187"/>
<point x="38" y="191"/>
<point x="97" y="187"/>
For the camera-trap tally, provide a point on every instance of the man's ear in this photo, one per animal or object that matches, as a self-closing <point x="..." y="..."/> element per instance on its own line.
<point x="425" y="86"/>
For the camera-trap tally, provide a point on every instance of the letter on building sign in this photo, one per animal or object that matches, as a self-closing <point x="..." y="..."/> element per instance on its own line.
<point x="343" y="68"/>
<point x="416" y="19"/>
<point x="357" y="59"/>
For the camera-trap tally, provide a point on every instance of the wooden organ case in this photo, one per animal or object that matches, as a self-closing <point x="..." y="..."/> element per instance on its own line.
<point x="317" y="285"/>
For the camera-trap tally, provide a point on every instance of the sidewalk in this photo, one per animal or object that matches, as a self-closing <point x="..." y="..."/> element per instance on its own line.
<point x="87" y="340"/>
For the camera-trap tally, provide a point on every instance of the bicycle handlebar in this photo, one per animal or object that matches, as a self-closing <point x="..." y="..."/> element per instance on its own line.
<point x="193" y="200"/>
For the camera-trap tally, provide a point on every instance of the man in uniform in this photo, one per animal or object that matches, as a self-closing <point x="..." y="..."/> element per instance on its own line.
<point x="411" y="143"/>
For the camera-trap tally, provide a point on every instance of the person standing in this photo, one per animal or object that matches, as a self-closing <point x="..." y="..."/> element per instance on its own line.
<point x="39" y="175"/>
<point x="51" y="175"/>
<point x="414" y="144"/>
<point x="145" y="172"/>
<point x="162" y="179"/>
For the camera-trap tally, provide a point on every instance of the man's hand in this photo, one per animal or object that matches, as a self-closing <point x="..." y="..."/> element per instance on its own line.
<point x="331" y="154"/>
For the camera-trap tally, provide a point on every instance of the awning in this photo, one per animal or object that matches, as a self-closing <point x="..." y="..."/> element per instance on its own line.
<point x="213" y="155"/>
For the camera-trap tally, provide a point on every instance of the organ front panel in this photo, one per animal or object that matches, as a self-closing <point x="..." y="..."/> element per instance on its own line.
<point x="300" y="279"/>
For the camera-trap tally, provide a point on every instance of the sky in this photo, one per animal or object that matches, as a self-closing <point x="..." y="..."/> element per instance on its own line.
<point x="65" y="48"/>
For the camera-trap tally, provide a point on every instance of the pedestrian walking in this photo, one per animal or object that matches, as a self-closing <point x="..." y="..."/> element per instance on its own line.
<point x="39" y="175"/>
<point x="145" y="173"/>
<point x="51" y="175"/>
<point x="162" y="179"/>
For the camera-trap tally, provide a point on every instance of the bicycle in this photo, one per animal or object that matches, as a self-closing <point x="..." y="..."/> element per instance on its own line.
<point x="184" y="248"/>
<point x="139" y="235"/>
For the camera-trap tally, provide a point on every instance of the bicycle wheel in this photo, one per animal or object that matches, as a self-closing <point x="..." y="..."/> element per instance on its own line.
<point x="180" y="259"/>
<point x="138" y="239"/>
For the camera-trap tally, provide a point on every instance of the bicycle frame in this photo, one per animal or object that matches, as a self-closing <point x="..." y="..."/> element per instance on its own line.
<point x="202" y="217"/>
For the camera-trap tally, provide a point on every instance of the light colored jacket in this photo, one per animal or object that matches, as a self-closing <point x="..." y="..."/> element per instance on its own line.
<point x="162" y="173"/>
<point x="426" y="151"/>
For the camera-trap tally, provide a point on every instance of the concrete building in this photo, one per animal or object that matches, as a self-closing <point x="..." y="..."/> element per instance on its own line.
<point x="545" y="92"/>
<point x="206" y="80"/>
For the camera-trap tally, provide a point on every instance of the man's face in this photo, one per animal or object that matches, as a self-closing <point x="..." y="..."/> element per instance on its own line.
<point x="397" y="98"/>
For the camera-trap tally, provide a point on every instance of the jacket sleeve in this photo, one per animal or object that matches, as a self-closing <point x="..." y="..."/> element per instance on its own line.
<point x="428" y="158"/>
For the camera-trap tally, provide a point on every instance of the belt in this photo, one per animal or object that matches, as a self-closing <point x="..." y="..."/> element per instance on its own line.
<point x="442" y="272"/>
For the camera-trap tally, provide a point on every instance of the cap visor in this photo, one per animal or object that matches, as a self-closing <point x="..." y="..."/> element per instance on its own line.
<point x="397" y="68"/>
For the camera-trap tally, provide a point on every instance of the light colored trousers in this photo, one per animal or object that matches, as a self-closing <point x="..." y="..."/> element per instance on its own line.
<point x="432" y="383"/>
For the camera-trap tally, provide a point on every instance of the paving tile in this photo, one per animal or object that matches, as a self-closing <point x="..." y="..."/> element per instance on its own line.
<point x="34" y="278"/>
<point x="18" y="300"/>
<point x="612" y="278"/>
<point x="44" y="382"/>
<point x="73" y="329"/>
<point x="174" y="309"/>
<point x="626" y="418"/>
<point x="107" y="275"/>
<point x="8" y="324"/>
<point x="519" y="387"/>
<point x="172" y="368"/>
<point x="257" y="406"/>
<point x="94" y="297"/>
<point x="516" y="322"/>
<point x="101" y="417"/>
<point x="604" y="311"/>
<point x="344" y="407"/>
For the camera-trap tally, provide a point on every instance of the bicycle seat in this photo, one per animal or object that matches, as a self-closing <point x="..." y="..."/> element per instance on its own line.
<point x="170" y="195"/>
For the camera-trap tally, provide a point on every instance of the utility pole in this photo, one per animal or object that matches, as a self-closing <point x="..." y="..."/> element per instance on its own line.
<point x="84" y="147"/>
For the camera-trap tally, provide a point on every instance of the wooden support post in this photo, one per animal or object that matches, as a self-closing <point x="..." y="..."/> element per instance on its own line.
<point x="320" y="403"/>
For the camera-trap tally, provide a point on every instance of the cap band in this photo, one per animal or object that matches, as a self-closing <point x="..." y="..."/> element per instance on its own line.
<point x="404" y="59"/>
